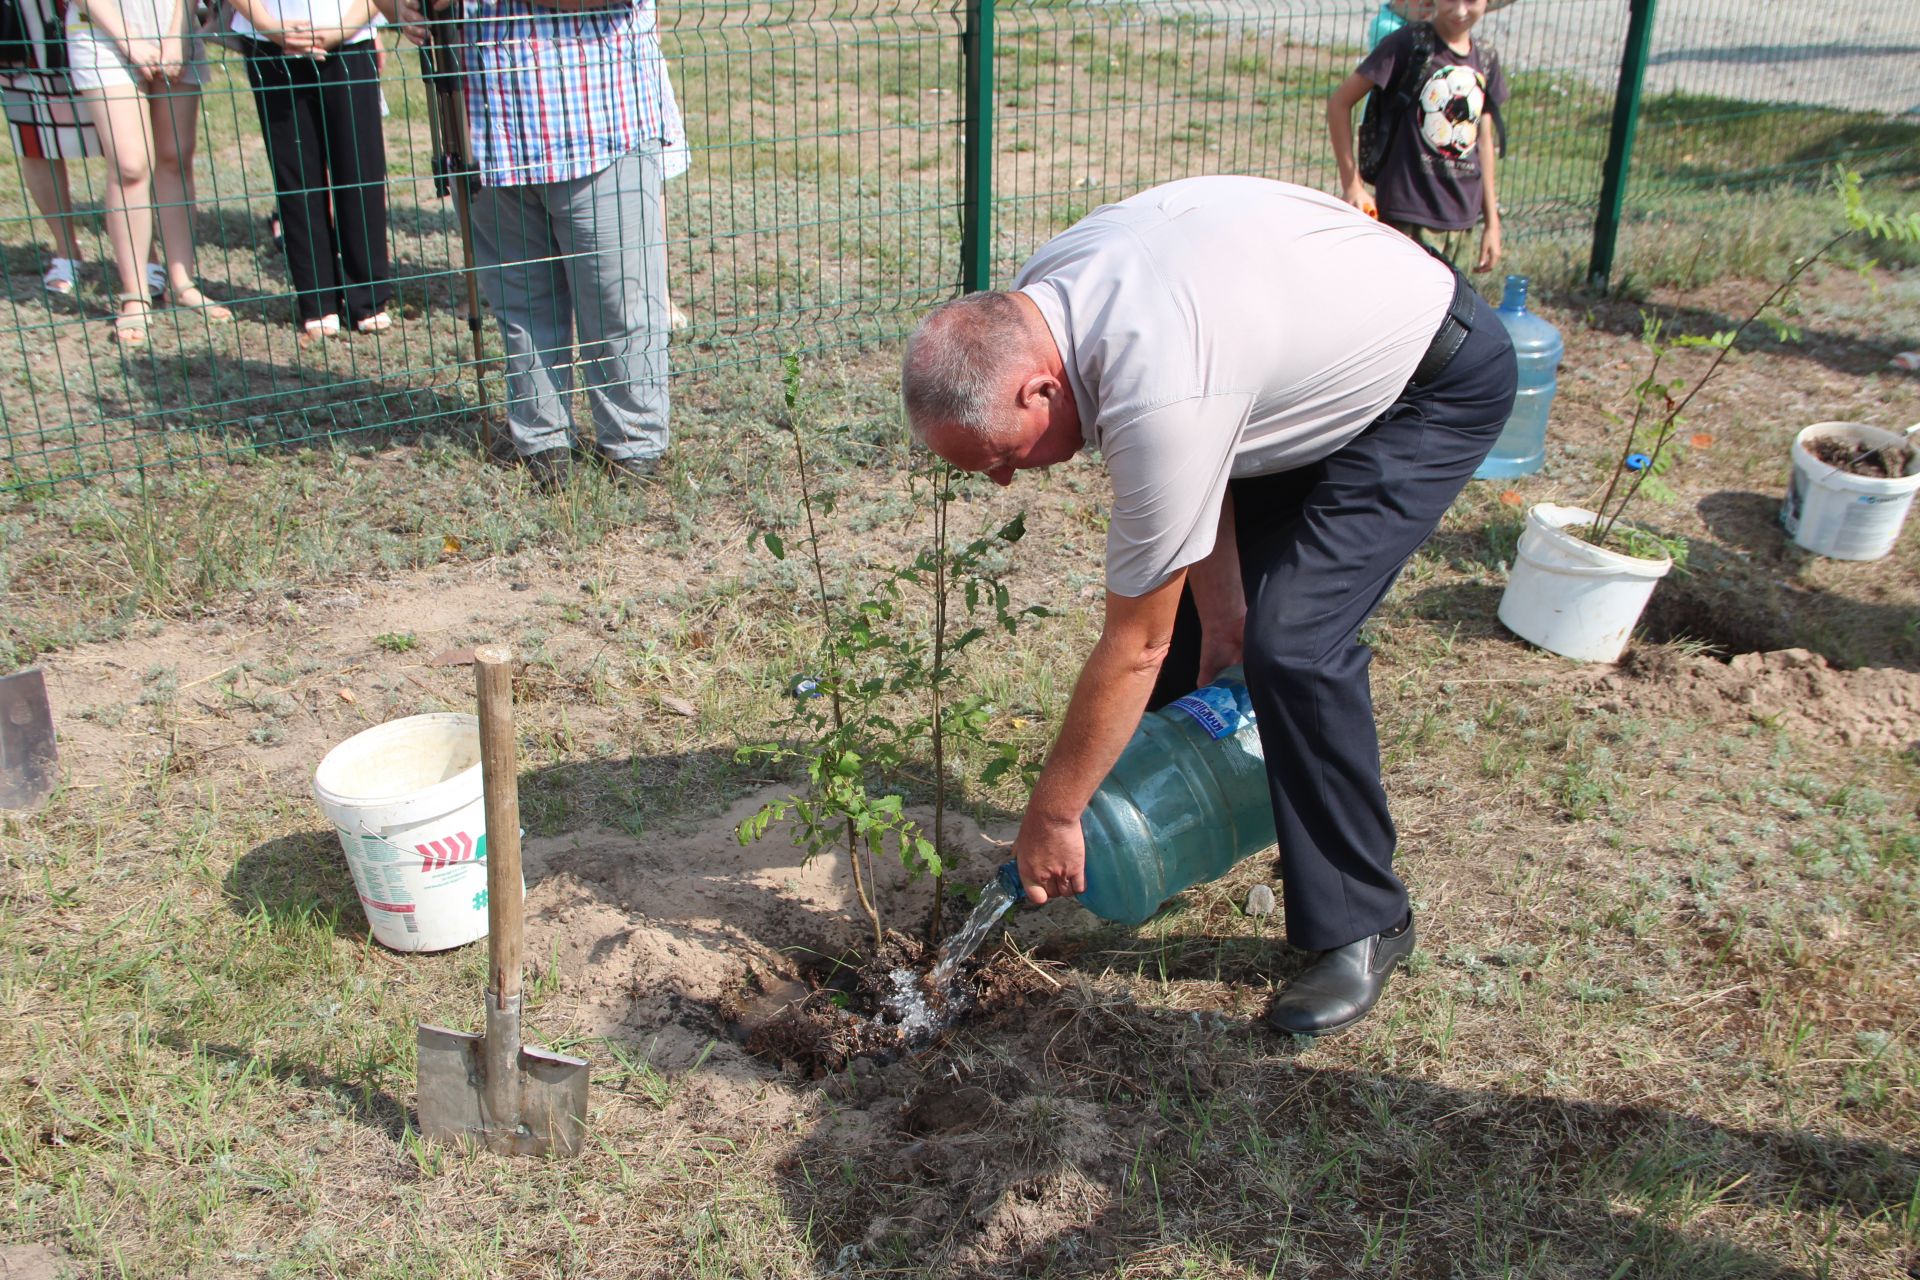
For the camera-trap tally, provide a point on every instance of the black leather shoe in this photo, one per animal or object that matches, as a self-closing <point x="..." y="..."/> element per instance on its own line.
<point x="550" y="468"/>
<point x="1339" y="988"/>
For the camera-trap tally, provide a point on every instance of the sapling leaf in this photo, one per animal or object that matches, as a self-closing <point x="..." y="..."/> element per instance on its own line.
<point x="790" y="379"/>
<point x="775" y="545"/>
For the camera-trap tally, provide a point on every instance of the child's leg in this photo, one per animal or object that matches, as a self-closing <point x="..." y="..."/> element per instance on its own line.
<point x="46" y="182"/>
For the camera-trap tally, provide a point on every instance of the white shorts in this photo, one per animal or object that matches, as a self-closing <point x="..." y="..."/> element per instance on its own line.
<point x="95" y="63"/>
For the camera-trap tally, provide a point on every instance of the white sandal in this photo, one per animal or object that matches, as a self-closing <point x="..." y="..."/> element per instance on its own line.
<point x="378" y="322"/>
<point x="59" y="277"/>
<point x="325" y="327"/>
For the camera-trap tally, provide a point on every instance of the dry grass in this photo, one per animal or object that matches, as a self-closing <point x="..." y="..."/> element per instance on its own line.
<point x="1661" y="1022"/>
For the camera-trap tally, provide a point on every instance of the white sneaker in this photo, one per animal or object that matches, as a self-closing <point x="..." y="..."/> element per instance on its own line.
<point x="156" y="283"/>
<point x="59" y="277"/>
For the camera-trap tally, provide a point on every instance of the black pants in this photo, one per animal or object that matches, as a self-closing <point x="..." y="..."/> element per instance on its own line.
<point x="321" y="121"/>
<point x="1319" y="547"/>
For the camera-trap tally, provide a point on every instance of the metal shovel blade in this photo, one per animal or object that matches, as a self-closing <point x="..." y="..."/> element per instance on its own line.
<point x="552" y="1117"/>
<point x="28" y="760"/>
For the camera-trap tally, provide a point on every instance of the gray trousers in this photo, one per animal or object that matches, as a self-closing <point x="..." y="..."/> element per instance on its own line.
<point x="584" y="259"/>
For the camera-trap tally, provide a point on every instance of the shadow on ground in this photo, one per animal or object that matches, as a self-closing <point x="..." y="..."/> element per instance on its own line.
<point x="1088" y="1136"/>
<point x="297" y="879"/>
<point x="1742" y="591"/>
<point x="362" y="1100"/>
<point x="1844" y="351"/>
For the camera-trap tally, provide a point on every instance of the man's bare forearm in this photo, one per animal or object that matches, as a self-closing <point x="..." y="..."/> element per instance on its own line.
<point x="1107" y="700"/>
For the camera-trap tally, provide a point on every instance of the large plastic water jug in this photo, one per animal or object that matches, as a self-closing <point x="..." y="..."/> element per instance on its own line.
<point x="1537" y="347"/>
<point x="1186" y="801"/>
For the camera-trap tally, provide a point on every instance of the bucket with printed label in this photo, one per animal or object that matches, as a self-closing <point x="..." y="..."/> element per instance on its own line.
<point x="1570" y="597"/>
<point x="1846" y="516"/>
<point x="406" y="800"/>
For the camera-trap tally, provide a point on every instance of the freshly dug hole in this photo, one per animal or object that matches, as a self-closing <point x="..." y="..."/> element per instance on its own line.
<point x="837" y="1013"/>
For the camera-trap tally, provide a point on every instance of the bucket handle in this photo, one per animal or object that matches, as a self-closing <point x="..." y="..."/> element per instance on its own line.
<point x="367" y="833"/>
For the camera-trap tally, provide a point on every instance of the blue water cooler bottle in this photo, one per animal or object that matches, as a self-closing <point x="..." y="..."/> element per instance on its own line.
<point x="1186" y="801"/>
<point x="1537" y="347"/>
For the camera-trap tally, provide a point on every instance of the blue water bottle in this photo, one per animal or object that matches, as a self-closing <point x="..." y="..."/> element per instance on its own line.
<point x="1537" y="347"/>
<point x="1186" y="801"/>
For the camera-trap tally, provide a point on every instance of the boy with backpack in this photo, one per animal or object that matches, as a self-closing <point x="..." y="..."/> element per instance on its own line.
<point x="1428" y="141"/>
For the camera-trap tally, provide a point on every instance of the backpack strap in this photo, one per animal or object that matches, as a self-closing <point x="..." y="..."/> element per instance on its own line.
<point x="1412" y="70"/>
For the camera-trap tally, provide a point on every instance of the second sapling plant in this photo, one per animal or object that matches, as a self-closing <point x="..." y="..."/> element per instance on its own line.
<point x="1648" y="440"/>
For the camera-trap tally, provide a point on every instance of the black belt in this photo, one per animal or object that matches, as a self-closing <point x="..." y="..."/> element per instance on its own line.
<point x="1451" y="336"/>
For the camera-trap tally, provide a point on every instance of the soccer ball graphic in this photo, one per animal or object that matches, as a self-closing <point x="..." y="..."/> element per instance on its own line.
<point x="1450" y="109"/>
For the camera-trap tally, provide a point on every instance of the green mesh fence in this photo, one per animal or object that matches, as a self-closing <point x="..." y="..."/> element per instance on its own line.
<point x="824" y="201"/>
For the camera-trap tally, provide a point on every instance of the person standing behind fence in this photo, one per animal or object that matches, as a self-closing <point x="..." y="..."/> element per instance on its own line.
<point x="47" y="129"/>
<point x="138" y="66"/>
<point x="1437" y="171"/>
<point x="568" y="121"/>
<point x="314" y="69"/>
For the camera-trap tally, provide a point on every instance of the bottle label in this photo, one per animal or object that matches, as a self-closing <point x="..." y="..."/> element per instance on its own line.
<point x="1214" y="709"/>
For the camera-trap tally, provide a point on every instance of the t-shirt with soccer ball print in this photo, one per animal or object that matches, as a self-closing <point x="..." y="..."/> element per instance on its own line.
<point x="1430" y="175"/>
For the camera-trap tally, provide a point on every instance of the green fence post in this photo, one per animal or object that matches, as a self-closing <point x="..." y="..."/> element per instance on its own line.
<point x="1626" y="119"/>
<point x="976" y="199"/>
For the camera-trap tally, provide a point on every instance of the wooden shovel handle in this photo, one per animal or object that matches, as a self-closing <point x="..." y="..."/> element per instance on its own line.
<point x="500" y="773"/>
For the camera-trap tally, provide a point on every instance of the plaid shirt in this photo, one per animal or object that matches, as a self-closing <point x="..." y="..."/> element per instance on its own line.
<point x="553" y="96"/>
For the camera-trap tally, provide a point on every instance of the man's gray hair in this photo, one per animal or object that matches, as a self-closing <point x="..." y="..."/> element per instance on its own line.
<point x="959" y="361"/>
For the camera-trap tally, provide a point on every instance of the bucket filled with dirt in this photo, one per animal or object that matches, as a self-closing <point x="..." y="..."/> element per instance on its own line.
<point x="1571" y="597"/>
<point x="405" y="799"/>
<point x="1850" y="489"/>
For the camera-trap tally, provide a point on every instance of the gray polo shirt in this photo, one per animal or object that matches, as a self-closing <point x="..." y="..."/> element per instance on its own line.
<point x="1218" y="327"/>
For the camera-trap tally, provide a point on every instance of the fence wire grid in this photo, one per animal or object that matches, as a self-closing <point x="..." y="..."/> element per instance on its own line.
<point x="814" y="197"/>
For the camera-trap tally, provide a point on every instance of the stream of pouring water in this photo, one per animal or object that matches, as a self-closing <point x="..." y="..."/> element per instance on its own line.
<point x="908" y="1000"/>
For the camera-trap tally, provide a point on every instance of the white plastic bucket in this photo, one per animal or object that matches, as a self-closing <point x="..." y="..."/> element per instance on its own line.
<point x="406" y="800"/>
<point x="1573" y="598"/>
<point x="1833" y="513"/>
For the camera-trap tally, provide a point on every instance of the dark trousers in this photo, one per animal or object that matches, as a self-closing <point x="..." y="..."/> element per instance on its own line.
<point x="321" y="121"/>
<point x="1319" y="547"/>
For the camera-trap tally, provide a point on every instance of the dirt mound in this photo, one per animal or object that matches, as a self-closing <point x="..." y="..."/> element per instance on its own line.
<point x="654" y="940"/>
<point x="1794" y="688"/>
